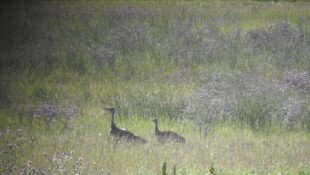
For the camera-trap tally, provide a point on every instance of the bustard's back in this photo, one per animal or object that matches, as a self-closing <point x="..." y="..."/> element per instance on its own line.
<point x="117" y="133"/>
<point x="167" y="136"/>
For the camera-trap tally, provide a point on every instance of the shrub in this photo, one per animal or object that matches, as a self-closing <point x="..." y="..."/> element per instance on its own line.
<point x="252" y="111"/>
<point x="164" y="169"/>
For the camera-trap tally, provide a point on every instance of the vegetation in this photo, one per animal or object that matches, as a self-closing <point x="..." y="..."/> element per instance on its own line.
<point x="231" y="77"/>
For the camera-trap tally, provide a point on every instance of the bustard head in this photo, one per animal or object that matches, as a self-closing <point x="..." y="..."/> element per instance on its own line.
<point x="110" y="109"/>
<point x="155" y="120"/>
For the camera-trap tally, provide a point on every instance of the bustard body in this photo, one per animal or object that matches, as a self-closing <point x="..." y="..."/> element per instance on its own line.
<point x="117" y="133"/>
<point x="167" y="136"/>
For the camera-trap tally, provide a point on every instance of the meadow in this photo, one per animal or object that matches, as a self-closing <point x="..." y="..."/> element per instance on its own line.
<point x="232" y="77"/>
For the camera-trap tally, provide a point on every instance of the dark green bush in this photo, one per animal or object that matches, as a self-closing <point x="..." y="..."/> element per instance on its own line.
<point x="252" y="111"/>
<point x="164" y="169"/>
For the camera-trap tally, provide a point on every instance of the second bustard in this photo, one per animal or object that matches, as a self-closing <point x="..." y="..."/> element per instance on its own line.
<point x="167" y="136"/>
<point x="118" y="133"/>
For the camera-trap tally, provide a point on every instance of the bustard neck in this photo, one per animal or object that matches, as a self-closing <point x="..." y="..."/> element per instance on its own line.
<point x="156" y="127"/>
<point x="112" y="119"/>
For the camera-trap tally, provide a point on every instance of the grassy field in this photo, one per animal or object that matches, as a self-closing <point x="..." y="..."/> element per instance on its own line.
<point x="231" y="77"/>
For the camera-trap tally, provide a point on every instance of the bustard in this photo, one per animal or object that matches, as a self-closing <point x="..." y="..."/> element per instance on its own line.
<point x="167" y="136"/>
<point x="118" y="133"/>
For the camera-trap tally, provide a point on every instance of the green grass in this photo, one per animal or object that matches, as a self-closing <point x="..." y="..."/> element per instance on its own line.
<point x="232" y="149"/>
<point x="189" y="63"/>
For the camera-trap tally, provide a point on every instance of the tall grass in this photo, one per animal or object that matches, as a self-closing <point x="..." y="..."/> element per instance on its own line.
<point x="232" y="78"/>
<point x="87" y="149"/>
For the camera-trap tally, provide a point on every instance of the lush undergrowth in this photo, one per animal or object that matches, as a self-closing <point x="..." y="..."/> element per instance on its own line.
<point x="232" y="78"/>
<point x="86" y="149"/>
